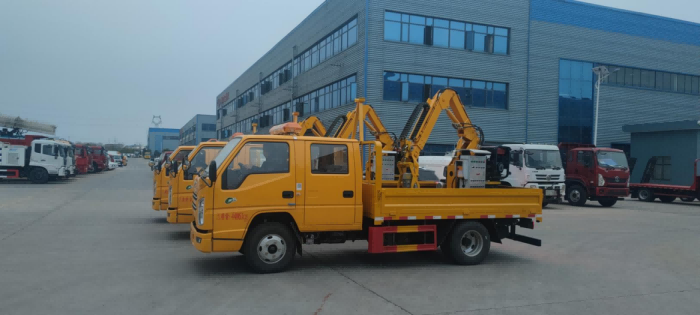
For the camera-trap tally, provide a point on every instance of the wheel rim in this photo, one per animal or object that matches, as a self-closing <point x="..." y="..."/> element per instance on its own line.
<point x="575" y="195"/>
<point x="644" y="194"/>
<point x="472" y="243"/>
<point x="272" y="248"/>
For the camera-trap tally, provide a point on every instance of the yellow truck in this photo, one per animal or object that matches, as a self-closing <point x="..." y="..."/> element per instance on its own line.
<point x="181" y="179"/>
<point x="161" y="174"/>
<point x="267" y="195"/>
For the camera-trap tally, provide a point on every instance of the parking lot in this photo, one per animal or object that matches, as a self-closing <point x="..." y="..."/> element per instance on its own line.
<point x="94" y="246"/>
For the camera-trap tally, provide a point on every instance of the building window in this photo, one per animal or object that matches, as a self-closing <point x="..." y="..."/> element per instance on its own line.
<point x="662" y="169"/>
<point x="422" y="30"/>
<point x="334" y="43"/>
<point x="405" y="87"/>
<point x="651" y="79"/>
<point x="576" y="101"/>
<point x="208" y="127"/>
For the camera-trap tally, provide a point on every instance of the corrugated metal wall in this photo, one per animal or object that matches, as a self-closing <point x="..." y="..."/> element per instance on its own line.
<point x="326" y="18"/>
<point x="618" y="105"/>
<point x="499" y="125"/>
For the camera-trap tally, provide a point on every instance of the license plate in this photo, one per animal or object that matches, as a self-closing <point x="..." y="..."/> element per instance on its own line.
<point x="550" y="192"/>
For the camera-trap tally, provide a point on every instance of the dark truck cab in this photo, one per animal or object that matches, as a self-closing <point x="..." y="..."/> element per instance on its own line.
<point x="592" y="173"/>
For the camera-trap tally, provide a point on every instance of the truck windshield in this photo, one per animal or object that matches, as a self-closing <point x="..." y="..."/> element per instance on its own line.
<point x="226" y="151"/>
<point x="543" y="159"/>
<point x="612" y="159"/>
<point x="61" y="151"/>
<point x="181" y="155"/>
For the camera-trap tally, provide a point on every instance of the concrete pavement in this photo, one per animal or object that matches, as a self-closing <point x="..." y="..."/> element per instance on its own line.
<point x="92" y="245"/>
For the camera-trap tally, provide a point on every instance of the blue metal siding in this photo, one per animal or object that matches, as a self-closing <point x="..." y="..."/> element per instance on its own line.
<point x="613" y="20"/>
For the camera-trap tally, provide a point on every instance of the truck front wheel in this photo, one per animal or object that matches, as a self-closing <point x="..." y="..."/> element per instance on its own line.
<point x="39" y="176"/>
<point x="270" y="247"/>
<point x="608" y="202"/>
<point x="646" y="195"/>
<point x="469" y="243"/>
<point x="577" y="196"/>
<point x="687" y="199"/>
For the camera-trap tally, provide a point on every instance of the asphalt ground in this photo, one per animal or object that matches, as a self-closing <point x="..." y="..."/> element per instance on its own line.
<point x="92" y="245"/>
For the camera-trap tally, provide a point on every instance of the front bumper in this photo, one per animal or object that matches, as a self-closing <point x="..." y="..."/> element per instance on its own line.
<point x="200" y="240"/>
<point x="179" y="216"/>
<point x="157" y="205"/>
<point x="612" y="192"/>
<point x="550" y="192"/>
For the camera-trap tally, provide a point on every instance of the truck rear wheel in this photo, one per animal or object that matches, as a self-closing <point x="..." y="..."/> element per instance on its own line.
<point x="577" y="196"/>
<point x="687" y="199"/>
<point x="39" y="176"/>
<point x="270" y="247"/>
<point x="608" y="202"/>
<point x="469" y="243"/>
<point x="667" y="199"/>
<point x="646" y="195"/>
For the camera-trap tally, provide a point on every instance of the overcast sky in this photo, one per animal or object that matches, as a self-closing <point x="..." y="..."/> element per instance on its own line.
<point x="99" y="70"/>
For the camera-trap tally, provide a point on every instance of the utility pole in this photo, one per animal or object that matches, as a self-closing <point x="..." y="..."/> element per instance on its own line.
<point x="602" y="72"/>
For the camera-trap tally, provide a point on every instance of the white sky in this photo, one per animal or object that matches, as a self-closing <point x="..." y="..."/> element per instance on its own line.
<point x="100" y="69"/>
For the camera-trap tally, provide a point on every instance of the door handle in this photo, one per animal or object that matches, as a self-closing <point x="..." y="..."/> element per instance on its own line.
<point x="287" y="194"/>
<point x="348" y="194"/>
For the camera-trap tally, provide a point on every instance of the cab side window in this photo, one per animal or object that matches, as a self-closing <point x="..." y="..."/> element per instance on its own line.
<point x="256" y="158"/>
<point x="201" y="161"/>
<point x="516" y="158"/>
<point x="37" y="148"/>
<point x="48" y="149"/>
<point x="585" y="158"/>
<point x="329" y="159"/>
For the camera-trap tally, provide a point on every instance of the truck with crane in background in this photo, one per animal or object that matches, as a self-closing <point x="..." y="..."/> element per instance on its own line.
<point x="35" y="157"/>
<point x="314" y="190"/>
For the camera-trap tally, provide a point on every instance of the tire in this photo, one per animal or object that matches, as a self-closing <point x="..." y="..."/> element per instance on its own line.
<point x="646" y="195"/>
<point x="577" y="196"/>
<point x="687" y="199"/>
<point x="39" y="176"/>
<point x="262" y="245"/>
<point x="469" y="243"/>
<point x="667" y="199"/>
<point x="607" y="202"/>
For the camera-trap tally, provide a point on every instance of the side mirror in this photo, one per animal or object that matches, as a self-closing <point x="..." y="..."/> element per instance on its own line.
<point x="212" y="171"/>
<point x="185" y="164"/>
<point x="151" y="163"/>
<point x="173" y="170"/>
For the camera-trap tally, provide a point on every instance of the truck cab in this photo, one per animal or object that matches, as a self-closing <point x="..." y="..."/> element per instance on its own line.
<point x="593" y="173"/>
<point x="537" y="166"/>
<point x="183" y="170"/>
<point x="82" y="159"/>
<point x="160" y="182"/>
<point x="99" y="158"/>
<point x="34" y="157"/>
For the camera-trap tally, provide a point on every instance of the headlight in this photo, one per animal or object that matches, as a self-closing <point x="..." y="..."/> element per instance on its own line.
<point x="200" y="213"/>
<point x="532" y="186"/>
<point x="170" y="195"/>
<point x="155" y="188"/>
<point x="601" y="180"/>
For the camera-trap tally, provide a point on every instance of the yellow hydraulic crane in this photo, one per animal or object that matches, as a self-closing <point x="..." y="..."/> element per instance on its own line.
<point x="349" y="125"/>
<point x="419" y="126"/>
<point x="311" y="126"/>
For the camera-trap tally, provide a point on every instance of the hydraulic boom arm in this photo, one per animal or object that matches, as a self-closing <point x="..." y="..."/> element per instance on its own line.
<point x="421" y="123"/>
<point x="348" y="127"/>
<point x="312" y="126"/>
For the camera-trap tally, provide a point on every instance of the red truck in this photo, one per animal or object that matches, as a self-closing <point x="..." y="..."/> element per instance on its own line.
<point x="592" y="173"/>
<point x="99" y="158"/>
<point x="83" y="159"/>
<point x="646" y="191"/>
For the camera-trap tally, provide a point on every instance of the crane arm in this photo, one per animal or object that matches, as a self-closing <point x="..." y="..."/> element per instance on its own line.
<point x="421" y="124"/>
<point x="313" y="126"/>
<point x="348" y="129"/>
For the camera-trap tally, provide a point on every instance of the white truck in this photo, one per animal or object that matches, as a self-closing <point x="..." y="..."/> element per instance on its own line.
<point x="34" y="157"/>
<point x="537" y="166"/>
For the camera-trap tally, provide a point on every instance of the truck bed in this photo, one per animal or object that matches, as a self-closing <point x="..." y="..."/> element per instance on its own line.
<point x="449" y="203"/>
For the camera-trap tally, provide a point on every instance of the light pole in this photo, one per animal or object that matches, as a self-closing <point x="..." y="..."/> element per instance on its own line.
<point x="602" y="73"/>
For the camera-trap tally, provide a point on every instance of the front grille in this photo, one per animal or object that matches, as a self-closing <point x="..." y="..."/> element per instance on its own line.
<point x="543" y="177"/>
<point x="616" y="180"/>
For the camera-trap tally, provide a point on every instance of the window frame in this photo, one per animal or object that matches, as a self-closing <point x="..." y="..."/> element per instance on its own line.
<point x="665" y="163"/>
<point x="224" y="181"/>
<point x="333" y="146"/>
